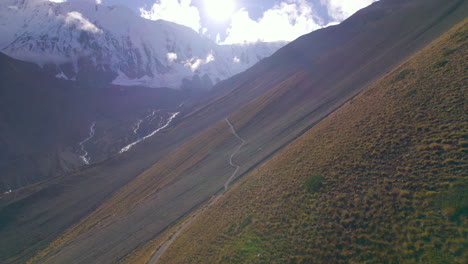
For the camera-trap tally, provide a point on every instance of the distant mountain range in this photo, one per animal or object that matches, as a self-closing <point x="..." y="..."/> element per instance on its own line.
<point x="82" y="41"/>
<point x="86" y="57"/>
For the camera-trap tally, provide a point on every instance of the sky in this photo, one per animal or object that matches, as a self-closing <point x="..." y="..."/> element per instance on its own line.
<point x="245" y="21"/>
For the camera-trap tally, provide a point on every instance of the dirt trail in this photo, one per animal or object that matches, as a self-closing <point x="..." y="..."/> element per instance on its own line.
<point x="157" y="255"/>
<point x="233" y="130"/>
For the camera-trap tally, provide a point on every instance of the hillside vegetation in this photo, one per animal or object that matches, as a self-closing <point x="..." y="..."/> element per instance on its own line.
<point x="117" y="206"/>
<point x="381" y="180"/>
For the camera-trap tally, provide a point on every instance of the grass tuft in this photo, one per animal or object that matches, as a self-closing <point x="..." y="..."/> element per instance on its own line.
<point x="402" y="75"/>
<point x="440" y="63"/>
<point x="313" y="183"/>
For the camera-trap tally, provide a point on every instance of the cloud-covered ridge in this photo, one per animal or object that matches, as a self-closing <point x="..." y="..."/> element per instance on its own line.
<point x="285" y="21"/>
<point x="339" y="10"/>
<point x="77" y="19"/>
<point x="177" y="11"/>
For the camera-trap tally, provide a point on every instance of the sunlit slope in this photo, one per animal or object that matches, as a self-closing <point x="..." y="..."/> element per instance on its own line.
<point x="332" y="66"/>
<point x="391" y="178"/>
<point x="275" y="118"/>
<point x="324" y="77"/>
<point x="175" y="171"/>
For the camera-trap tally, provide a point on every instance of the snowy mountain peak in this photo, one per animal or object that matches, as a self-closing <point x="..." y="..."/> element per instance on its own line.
<point x="81" y="40"/>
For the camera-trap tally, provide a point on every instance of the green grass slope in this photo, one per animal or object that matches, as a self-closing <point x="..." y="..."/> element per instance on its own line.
<point x="381" y="180"/>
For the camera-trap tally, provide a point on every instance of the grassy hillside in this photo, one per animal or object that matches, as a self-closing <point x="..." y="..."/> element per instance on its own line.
<point x="89" y="218"/>
<point x="381" y="180"/>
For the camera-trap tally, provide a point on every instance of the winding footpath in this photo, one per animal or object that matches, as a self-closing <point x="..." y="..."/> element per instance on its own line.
<point x="233" y="130"/>
<point x="158" y="254"/>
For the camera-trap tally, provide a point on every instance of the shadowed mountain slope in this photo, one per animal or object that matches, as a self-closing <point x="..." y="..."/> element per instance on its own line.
<point x="42" y="120"/>
<point x="381" y="180"/>
<point x="176" y="171"/>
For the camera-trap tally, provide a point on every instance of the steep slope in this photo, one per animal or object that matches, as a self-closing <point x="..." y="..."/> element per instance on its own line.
<point x="381" y="180"/>
<point x="44" y="119"/>
<point x="176" y="171"/>
<point x="81" y="40"/>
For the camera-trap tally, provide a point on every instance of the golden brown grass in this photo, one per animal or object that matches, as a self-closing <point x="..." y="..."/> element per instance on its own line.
<point x="395" y="179"/>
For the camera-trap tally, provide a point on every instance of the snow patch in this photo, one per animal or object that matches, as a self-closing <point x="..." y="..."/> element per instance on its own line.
<point x="210" y="57"/>
<point x="62" y="75"/>
<point x="137" y="126"/>
<point x="138" y="123"/>
<point x="85" y="157"/>
<point x="124" y="80"/>
<point x="128" y="147"/>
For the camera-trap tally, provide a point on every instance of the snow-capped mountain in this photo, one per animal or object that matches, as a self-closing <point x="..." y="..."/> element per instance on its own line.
<point x="84" y="40"/>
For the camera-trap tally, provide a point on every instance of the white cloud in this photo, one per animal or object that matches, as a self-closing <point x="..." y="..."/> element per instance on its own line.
<point x="210" y="57"/>
<point x="195" y="62"/>
<point x="286" y="21"/>
<point x="171" y="57"/>
<point x="177" y="11"/>
<point x="339" y="10"/>
<point x="98" y="2"/>
<point x="77" y="19"/>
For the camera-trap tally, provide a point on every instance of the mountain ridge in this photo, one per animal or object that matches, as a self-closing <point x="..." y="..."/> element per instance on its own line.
<point x="80" y="40"/>
<point x="392" y="180"/>
<point x="44" y="121"/>
<point x="270" y="105"/>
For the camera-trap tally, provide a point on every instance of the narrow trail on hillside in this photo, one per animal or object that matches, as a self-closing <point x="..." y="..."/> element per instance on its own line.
<point x="233" y="130"/>
<point x="158" y="254"/>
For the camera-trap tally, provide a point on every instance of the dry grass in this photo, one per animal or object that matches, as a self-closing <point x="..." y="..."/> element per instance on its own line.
<point x="395" y="179"/>
<point x="276" y="200"/>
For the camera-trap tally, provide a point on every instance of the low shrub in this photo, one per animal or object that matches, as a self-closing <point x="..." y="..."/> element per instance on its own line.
<point x="313" y="183"/>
